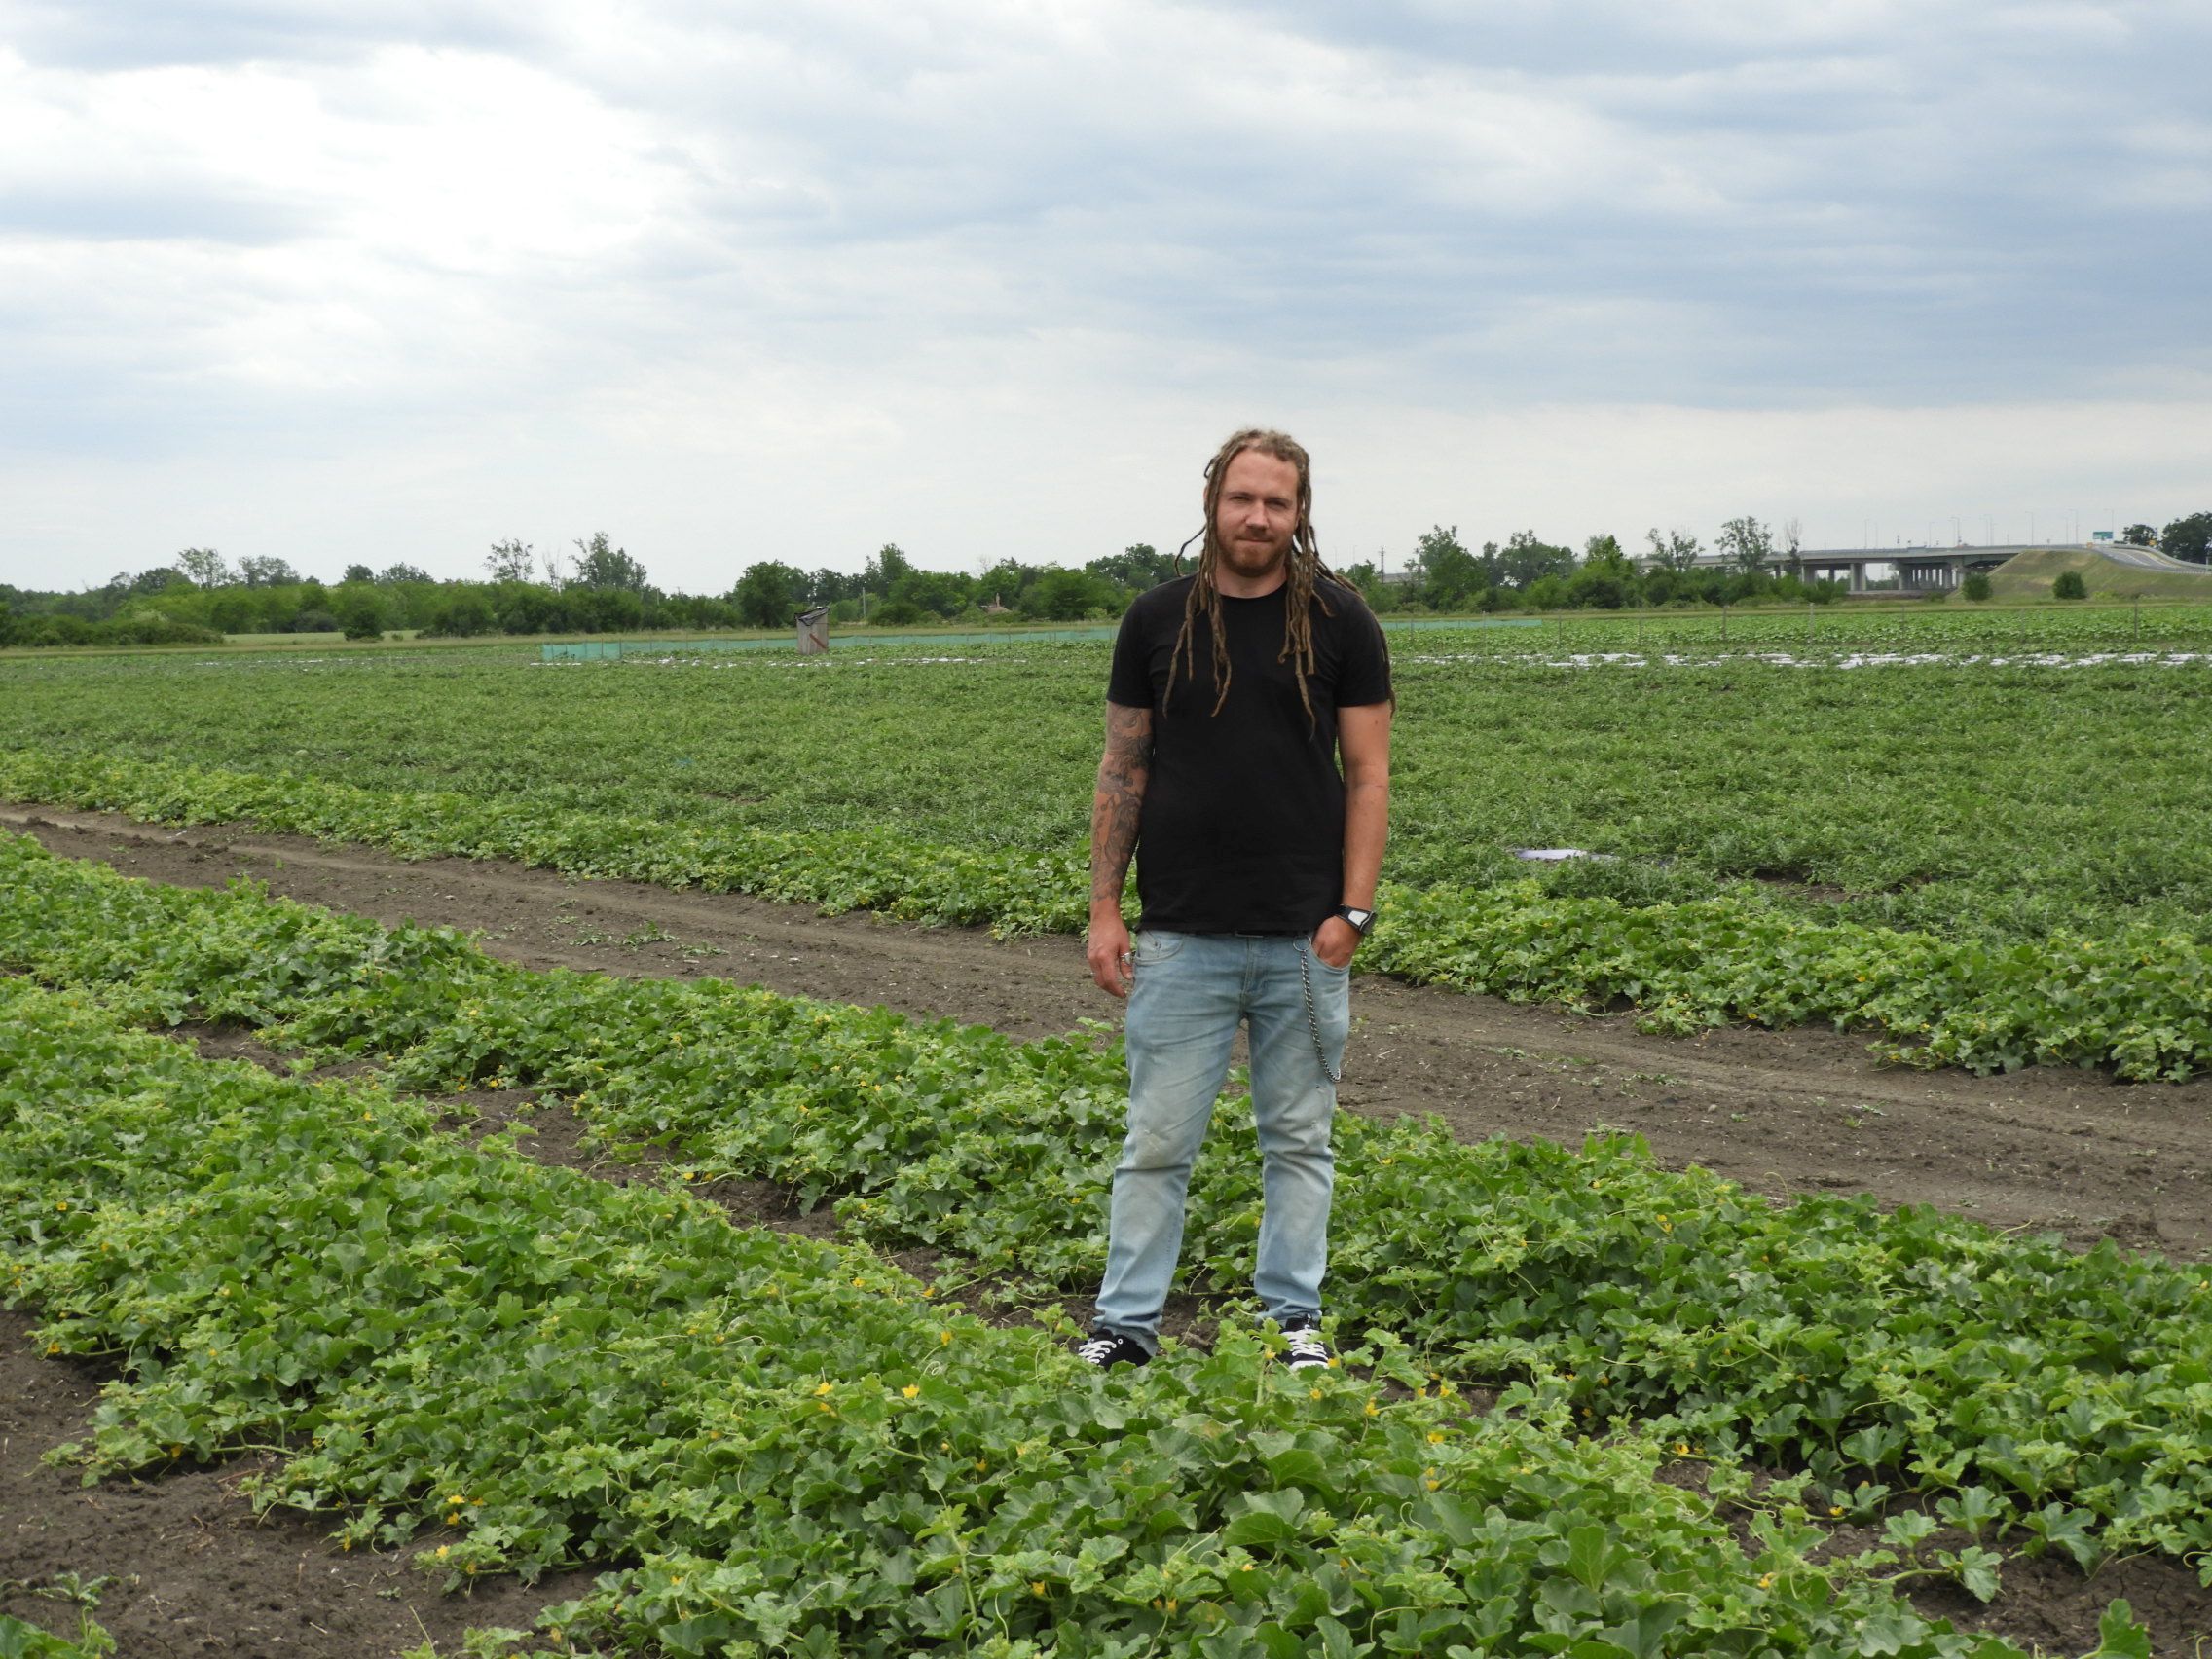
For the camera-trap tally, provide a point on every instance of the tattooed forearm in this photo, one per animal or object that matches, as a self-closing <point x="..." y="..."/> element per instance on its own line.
<point x="1114" y="808"/>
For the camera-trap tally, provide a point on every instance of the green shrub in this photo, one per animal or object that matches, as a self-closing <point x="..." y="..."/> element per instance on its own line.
<point x="361" y="616"/>
<point x="1977" y="586"/>
<point x="2070" y="585"/>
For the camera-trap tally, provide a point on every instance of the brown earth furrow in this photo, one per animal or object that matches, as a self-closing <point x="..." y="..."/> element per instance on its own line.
<point x="195" y="1571"/>
<point x="1783" y="1112"/>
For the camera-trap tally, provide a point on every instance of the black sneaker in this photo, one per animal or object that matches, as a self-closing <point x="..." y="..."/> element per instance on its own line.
<point x="1105" y="1350"/>
<point x="1307" y="1350"/>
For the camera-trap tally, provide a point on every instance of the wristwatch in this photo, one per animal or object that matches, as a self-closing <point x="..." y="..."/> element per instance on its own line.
<point x="1361" y="920"/>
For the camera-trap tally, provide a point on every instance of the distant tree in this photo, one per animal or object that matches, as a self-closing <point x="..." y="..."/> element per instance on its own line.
<point x="159" y="580"/>
<point x="600" y="563"/>
<point x="1526" y="561"/>
<point x="1136" y="567"/>
<point x="604" y="610"/>
<point x="940" y="593"/>
<point x="531" y="607"/>
<point x="266" y="569"/>
<point x="2138" y="536"/>
<point x="1746" y="543"/>
<point x="1004" y="583"/>
<point x="2189" y="538"/>
<point x="1449" y="578"/>
<point x="360" y="574"/>
<point x="510" y="562"/>
<point x="881" y="574"/>
<point x="460" y="612"/>
<point x="826" y="586"/>
<point x="205" y="567"/>
<point x="401" y="571"/>
<point x="769" y="594"/>
<point x="898" y="613"/>
<point x="232" y="613"/>
<point x="1792" y="536"/>
<point x="2070" y="585"/>
<point x="1976" y="587"/>
<point x="1676" y="550"/>
<point x="1548" y="592"/>
<point x="1068" y="596"/>
<point x="1606" y="579"/>
<point x="1603" y="548"/>
<point x="360" y="614"/>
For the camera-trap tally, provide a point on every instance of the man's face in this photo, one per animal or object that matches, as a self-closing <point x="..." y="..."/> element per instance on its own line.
<point x="1258" y="512"/>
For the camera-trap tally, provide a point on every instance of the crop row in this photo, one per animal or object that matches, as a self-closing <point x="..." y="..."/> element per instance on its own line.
<point x="2138" y="1002"/>
<point x="786" y="1442"/>
<point x="21" y="1639"/>
<point x="2000" y="803"/>
<point x="2065" y="1397"/>
<point x="1949" y="627"/>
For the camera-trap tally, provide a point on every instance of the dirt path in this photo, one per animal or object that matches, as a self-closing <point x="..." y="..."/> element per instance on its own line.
<point x="195" y="1572"/>
<point x="1781" y="1112"/>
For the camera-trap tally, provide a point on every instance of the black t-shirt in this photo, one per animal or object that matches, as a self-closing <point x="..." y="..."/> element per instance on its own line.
<point x="1242" y="828"/>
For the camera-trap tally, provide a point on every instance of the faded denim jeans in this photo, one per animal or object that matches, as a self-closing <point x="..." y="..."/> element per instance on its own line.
<point x="1188" y="994"/>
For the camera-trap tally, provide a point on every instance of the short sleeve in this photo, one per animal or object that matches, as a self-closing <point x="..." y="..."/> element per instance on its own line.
<point x="1129" y="684"/>
<point x="1366" y="676"/>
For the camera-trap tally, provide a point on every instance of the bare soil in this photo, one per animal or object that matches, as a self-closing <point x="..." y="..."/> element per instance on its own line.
<point x="194" y="1572"/>
<point x="1781" y="1112"/>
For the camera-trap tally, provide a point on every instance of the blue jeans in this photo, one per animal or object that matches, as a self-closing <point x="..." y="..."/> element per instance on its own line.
<point x="1188" y="994"/>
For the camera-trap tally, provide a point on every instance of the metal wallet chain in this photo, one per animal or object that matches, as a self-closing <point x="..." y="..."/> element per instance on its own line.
<point x="1313" y="1019"/>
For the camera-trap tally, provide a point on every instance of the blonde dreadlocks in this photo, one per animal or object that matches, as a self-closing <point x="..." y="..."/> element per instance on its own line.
<point x="1306" y="573"/>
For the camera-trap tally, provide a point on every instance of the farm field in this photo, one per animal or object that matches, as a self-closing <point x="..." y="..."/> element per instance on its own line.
<point x="471" y="1312"/>
<point x="1871" y="1393"/>
<point x="1996" y="857"/>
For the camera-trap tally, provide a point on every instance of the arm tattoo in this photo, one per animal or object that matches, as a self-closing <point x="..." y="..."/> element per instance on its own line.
<point x="1114" y="808"/>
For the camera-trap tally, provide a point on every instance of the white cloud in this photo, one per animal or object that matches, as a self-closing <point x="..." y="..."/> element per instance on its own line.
<point x="802" y="274"/>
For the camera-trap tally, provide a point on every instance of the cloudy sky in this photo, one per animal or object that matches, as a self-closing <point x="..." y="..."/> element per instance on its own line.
<point x="378" y="279"/>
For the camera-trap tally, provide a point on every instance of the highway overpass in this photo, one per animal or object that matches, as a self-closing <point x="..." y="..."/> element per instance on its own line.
<point x="1925" y="570"/>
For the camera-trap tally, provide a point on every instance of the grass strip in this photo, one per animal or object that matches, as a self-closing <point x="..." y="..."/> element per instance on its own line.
<point x="2138" y="1002"/>
<point x="2064" y="1399"/>
<point x="783" y="1443"/>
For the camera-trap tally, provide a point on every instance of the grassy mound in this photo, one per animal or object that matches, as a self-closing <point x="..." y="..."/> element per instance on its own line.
<point x="2029" y="576"/>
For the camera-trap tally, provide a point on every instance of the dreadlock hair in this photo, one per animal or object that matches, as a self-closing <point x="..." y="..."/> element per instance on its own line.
<point x="1306" y="573"/>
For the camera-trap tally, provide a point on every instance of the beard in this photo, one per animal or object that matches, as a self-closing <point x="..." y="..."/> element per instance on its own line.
<point x="1254" y="556"/>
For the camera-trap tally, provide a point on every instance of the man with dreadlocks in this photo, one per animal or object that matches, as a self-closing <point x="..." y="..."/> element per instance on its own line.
<point x="1233" y="691"/>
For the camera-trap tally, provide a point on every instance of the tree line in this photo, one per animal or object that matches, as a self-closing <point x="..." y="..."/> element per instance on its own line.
<point x="199" y="597"/>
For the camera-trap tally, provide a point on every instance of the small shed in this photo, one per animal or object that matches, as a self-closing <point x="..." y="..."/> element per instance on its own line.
<point x="813" y="630"/>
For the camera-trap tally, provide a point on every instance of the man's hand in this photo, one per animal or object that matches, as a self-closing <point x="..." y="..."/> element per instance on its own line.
<point x="1335" y="942"/>
<point x="1109" y="954"/>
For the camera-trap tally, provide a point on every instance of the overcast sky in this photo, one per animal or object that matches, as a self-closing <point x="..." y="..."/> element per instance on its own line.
<point x="375" y="280"/>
